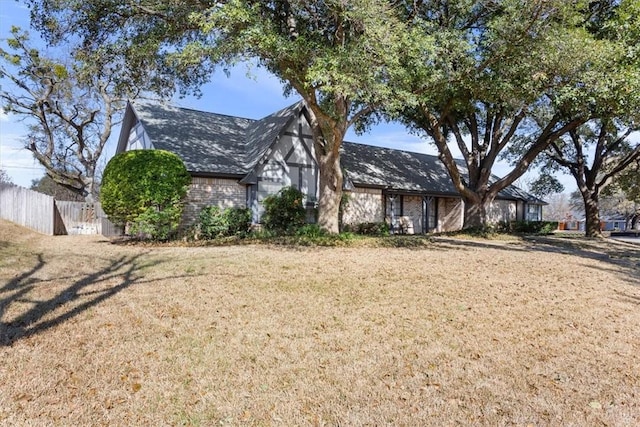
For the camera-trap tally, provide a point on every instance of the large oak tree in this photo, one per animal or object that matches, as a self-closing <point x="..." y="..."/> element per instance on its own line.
<point x="69" y="103"/>
<point x="336" y="54"/>
<point x="494" y="66"/>
<point x="600" y="149"/>
<point x="594" y="154"/>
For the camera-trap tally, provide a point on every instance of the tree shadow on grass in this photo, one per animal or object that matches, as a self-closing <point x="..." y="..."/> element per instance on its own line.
<point x="35" y="310"/>
<point x="629" y="298"/>
<point x="622" y="259"/>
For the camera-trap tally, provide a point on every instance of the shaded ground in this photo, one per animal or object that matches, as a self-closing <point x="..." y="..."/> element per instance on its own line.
<point x="542" y="331"/>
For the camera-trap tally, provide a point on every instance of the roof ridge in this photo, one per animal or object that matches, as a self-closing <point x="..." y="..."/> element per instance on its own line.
<point x="174" y="105"/>
<point x="393" y="149"/>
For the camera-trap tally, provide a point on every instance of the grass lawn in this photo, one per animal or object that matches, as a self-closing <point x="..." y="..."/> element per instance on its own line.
<point x="541" y="331"/>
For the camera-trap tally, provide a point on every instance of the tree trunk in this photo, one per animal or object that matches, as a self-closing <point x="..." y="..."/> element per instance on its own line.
<point x="476" y="211"/>
<point x="89" y="189"/>
<point x="330" y="191"/>
<point x="592" y="216"/>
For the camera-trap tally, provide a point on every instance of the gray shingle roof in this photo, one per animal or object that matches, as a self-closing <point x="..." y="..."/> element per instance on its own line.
<point x="395" y="169"/>
<point x="406" y="171"/>
<point x="206" y="142"/>
<point x="262" y="133"/>
<point x="217" y="144"/>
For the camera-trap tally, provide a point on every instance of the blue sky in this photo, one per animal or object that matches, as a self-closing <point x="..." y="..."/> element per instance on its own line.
<point x="253" y="96"/>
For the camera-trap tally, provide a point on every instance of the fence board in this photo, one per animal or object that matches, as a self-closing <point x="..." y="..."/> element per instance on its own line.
<point x="107" y="228"/>
<point x="42" y="213"/>
<point x="79" y="217"/>
<point x="27" y="208"/>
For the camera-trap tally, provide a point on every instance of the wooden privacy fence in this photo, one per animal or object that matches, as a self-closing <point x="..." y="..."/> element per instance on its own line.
<point x="46" y="215"/>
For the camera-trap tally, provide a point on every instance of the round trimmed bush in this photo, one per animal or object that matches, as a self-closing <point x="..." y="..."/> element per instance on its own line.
<point x="145" y="188"/>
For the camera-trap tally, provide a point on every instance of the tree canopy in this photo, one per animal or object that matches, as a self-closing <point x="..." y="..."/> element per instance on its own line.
<point x="594" y="155"/>
<point x="480" y="77"/>
<point x="335" y="54"/>
<point x="628" y="182"/>
<point x="70" y="105"/>
<point x="506" y="76"/>
<point x="599" y="149"/>
<point x="46" y="185"/>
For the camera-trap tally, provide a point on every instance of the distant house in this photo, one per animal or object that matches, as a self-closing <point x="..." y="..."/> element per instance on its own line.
<point x="237" y="162"/>
<point x="613" y="224"/>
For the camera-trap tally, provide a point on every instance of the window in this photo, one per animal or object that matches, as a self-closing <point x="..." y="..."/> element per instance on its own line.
<point x="534" y="212"/>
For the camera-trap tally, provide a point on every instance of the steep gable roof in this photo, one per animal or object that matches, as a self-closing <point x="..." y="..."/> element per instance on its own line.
<point x="206" y="142"/>
<point x="263" y="133"/>
<point x="211" y="143"/>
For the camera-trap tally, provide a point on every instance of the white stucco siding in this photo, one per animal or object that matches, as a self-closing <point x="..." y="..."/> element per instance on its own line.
<point x="138" y="139"/>
<point x="365" y="205"/>
<point x="290" y="162"/>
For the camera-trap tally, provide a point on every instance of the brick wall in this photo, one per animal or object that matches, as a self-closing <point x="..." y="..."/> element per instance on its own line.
<point x="225" y="193"/>
<point x="450" y="214"/>
<point x="502" y="210"/>
<point x="412" y="214"/>
<point x="365" y="205"/>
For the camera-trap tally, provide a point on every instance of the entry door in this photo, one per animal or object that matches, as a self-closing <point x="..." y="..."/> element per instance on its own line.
<point x="430" y="212"/>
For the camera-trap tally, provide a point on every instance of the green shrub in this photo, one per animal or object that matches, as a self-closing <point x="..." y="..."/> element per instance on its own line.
<point x="155" y="224"/>
<point x="238" y="221"/>
<point x="527" y="227"/>
<point x="284" y="212"/>
<point x="145" y="188"/>
<point x="214" y="222"/>
<point x="311" y="231"/>
<point x="368" y="228"/>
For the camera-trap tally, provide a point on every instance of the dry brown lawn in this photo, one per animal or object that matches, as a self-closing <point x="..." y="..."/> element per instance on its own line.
<point x="455" y="332"/>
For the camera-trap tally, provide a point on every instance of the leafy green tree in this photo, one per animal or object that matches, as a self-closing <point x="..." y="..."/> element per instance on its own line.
<point x="628" y="181"/>
<point x="594" y="154"/>
<point x="600" y="149"/>
<point x="70" y="105"/>
<point x="479" y="74"/>
<point x="145" y="189"/>
<point x="47" y="185"/>
<point x="335" y="54"/>
<point x="545" y="185"/>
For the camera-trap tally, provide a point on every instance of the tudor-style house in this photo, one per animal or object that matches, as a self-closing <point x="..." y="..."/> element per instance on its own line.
<point x="237" y="162"/>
